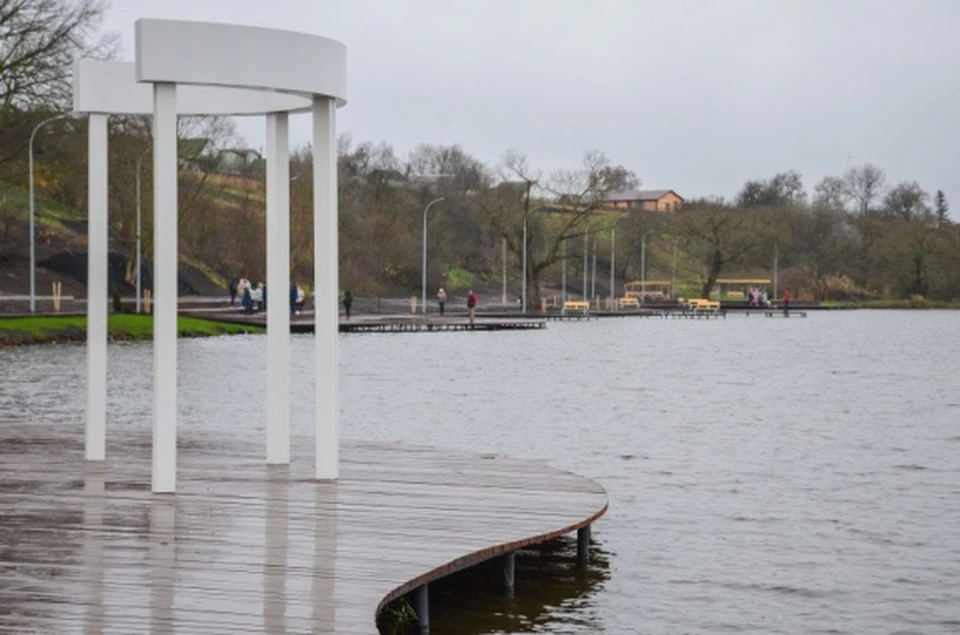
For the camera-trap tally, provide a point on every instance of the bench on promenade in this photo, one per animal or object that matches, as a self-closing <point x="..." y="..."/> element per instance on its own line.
<point x="701" y="305"/>
<point x="576" y="305"/>
<point x="628" y="302"/>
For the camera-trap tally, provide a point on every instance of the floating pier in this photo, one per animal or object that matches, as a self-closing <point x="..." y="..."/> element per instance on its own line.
<point x="243" y="547"/>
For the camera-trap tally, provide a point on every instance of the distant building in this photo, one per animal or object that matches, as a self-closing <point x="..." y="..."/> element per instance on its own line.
<point x="237" y="160"/>
<point x="646" y="200"/>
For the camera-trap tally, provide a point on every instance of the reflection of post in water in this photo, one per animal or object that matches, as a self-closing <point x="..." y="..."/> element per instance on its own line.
<point x="324" y="556"/>
<point x="93" y="489"/>
<point x="163" y="561"/>
<point x="551" y="589"/>
<point x="275" y="524"/>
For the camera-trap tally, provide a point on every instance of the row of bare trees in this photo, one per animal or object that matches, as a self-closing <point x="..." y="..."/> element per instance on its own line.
<point x="850" y="237"/>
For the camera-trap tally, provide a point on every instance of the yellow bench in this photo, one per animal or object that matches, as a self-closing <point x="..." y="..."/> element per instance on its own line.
<point x="701" y="304"/>
<point x="629" y="301"/>
<point x="735" y="294"/>
<point x="576" y="305"/>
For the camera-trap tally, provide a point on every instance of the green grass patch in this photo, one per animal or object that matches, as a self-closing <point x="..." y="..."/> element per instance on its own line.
<point x="459" y="278"/>
<point x="32" y="330"/>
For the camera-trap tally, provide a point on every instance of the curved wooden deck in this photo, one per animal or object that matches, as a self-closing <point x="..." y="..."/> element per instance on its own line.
<point x="247" y="548"/>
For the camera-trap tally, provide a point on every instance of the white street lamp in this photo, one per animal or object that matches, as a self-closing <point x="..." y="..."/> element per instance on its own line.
<point x="613" y="263"/>
<point x="423" y="279"/>
<point x="33" y="258"/>
<point x="139" y="161"/>
<point x="643" y="267"/>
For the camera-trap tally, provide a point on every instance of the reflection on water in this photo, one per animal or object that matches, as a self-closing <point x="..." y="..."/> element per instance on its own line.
<point x="275" y="523"/>
<point x="774" y="476"/>
<point x="548" y="581"/>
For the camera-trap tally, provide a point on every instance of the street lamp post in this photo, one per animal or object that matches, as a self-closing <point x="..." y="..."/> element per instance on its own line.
<point x="523" y="291"/>
<point x="139" y="293"/>
<point x="673" y="274"/>
<point x="613" y="263"/>
<point x="503" y="293"/>
<point x="643" y="267"/>
<point x="423" y="279"/>
<point x="613" y="268"/>
<point x="523" y="283"/>
<point x="33" y="257"/>
<point x="776" y="268"/>
<point x="593" y="275"/>
<point x="563" y="276"/>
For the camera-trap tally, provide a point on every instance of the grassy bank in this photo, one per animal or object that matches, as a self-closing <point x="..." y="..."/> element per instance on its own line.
<point x="47" y="329"/>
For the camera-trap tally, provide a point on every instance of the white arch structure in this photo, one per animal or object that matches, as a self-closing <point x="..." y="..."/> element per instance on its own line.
<point x="199" y="68"/>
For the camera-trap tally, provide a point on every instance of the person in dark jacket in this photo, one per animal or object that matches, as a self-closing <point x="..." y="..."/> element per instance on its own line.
<point x="232" y="287"/>
<point x="247" y="300"/>
<point x="293" y="298"/>
<point x="347" y="302"/>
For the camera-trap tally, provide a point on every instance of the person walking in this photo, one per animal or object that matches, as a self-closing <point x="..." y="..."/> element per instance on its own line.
<point x="786" y="303"/>
<point x="257" y="296"/>
<point x="441" y="299"/>
<point x="293" y="298"/>
<point x="347" y="302"/>
<point x="247" y="298"/>
<point x="232" y="287"/>
<point x="472" y="301"/>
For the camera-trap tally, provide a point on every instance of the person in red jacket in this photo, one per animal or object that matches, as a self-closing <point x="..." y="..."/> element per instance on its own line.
<point x="786" y="302"/>
<point x="472" y="300"/>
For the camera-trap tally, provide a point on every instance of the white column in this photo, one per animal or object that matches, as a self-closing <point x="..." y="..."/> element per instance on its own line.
<point x="164" y="287"/>
<point x="278" y="287"/>
<point x="95" y="441"/>
<point x="326" y="283"/>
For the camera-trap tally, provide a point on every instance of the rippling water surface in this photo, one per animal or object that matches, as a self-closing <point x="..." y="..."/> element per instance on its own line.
<point x="765" y="475"/>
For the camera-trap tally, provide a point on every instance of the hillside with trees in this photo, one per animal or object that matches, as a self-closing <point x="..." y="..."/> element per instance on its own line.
<point x="852" y="236"/>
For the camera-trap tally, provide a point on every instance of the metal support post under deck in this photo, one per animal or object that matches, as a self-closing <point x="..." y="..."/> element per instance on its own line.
<point x="583" y="544"/>
<point x="421" y="600"/>
<point x="507" y="568"/>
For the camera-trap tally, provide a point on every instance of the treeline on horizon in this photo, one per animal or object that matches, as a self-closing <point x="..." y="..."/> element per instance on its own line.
<point x="852" y="236"/>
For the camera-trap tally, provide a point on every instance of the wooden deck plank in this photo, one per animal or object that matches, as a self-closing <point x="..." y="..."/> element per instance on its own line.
<point x="247" y="548"/>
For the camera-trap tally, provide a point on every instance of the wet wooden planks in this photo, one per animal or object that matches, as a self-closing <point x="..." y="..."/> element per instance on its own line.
<point x="248" y="548"/>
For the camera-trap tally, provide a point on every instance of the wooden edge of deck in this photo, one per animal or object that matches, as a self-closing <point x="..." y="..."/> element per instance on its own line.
<point x="482" y="555"/>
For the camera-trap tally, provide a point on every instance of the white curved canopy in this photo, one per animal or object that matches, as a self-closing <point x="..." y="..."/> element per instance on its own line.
<point x="112" y="88"/>
<point x="221" y="69"/>
<point x="204" y="53"/>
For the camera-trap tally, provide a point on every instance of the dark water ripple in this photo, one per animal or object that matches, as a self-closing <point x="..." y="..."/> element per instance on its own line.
<point x="765" y="476"/>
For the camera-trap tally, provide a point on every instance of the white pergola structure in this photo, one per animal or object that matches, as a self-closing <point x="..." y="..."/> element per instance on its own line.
<point x="198" y="68"/>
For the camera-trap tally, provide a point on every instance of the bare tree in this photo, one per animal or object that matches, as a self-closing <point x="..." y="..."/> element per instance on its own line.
<point x="864" y="186"/>
<point x="720" y="240"/>
<point x="784" y="189"/>
<point x="907" y="201"/>
<point x="830" y="193"/>
<point x="39" y="39"/>
<point x="572" y="198"/>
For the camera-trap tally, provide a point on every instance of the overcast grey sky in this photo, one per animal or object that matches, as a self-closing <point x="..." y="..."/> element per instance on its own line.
<point x="692" y="95"/>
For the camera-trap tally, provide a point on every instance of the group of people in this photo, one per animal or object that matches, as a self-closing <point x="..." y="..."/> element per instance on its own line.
<point x="472" y="301"/>
<point x="758" y="297"/>
<point x="253" y="298"/>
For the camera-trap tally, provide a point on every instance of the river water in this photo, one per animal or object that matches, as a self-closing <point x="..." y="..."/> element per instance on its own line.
<point x="765" y="475"/>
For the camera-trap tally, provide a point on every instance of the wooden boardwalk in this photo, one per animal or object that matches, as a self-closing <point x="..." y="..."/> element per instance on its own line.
<point x="243" y="548"/>
<point x="418" y="324"/>
<point x="375" y="323"/>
